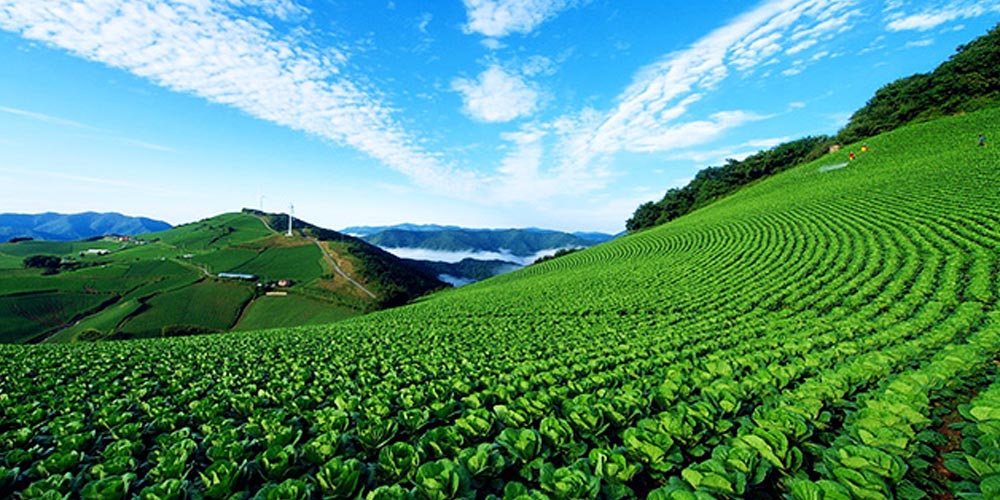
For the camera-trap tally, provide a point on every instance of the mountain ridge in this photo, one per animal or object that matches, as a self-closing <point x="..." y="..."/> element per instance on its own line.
<point x="519" y="242"/>
<point x="54" y="226"/>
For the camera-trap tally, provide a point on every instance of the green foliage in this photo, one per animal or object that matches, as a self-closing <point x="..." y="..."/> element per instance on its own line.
<point x="339" y="478"/>
<point x="713" y="183"/>
<point x="208" y="305"/>
<point x="185" y="330"/>
<point x="29" y="316"/>
<point x="821" y="335"/>
<point x="440" y="480"/>
<point x="49" y="262"/>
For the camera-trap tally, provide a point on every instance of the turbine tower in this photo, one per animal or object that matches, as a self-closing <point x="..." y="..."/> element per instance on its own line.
<point x="291" y="210"/>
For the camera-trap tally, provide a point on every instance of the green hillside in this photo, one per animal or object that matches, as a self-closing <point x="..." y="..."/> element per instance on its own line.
<point x="831" y="332"/>
<point x="170" y="279"/>
<point x="966" y="82"/>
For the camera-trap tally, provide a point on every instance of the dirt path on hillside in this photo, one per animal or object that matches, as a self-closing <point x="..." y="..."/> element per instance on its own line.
<point x="329" y="258"/>
<point x="336" y="268"/>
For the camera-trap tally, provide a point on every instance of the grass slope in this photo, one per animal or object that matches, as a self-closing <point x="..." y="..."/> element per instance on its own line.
<point x="804" y="338"/>
<point x="274" y="312"/>
<point x="211" y="304"/>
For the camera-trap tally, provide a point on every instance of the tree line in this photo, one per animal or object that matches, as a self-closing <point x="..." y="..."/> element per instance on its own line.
<point x="967" y="81"/>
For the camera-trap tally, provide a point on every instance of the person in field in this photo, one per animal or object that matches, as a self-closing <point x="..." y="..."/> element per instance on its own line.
<point x="851" y="156"/>
<point x="982" y="140"/>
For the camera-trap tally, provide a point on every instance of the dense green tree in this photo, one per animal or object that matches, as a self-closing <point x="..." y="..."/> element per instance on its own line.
<point x="712" y="183"/>
<point x="644" y="216"/>
<point x="42" y="262"/>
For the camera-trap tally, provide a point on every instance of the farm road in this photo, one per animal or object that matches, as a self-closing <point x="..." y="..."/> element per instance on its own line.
<point x="329" y="258"/>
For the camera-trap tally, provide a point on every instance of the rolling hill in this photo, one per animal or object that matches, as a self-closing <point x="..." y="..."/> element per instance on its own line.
<point x="70" y="227"/>
<point x="136" y="287"/>
<point x="830" y="332"/>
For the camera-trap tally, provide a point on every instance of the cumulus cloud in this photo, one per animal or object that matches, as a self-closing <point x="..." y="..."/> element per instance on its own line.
<point x="497" y="95"/>
<point x="204" y="48"/>
<point x="499" y="18"/>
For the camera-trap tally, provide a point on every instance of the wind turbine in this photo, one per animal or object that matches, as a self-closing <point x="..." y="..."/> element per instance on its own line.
<point x="291" y="210"/>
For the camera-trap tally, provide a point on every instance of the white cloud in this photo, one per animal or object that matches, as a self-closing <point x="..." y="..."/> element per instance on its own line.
<point x="926" y="42"/>
<point x="90" y="180"/>
<point x="739" y="152"/>
<point x="497" y="96"/>
<point x="930" y="17"/>
<point x="281" y="9"/>
<point x="538" y="65"/>
<point x="202" y="49"/>
<point x="424" y="21"/>
<point x="45" y="118"/>
<point x="499" y="18"/>
<point x="104" y="135"/>
<point x="649" y="115"/>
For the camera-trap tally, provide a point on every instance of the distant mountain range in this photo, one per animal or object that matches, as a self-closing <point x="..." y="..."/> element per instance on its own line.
<point x="518" y="242"/>
<point x="462" y="255"/>
<point x="69" y="227"/>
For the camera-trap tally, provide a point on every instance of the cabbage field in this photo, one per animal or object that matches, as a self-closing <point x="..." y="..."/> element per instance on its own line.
<point x="822" y="334"/>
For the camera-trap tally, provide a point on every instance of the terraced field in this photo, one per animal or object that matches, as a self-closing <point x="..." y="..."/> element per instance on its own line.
<point x="824" y="334"/>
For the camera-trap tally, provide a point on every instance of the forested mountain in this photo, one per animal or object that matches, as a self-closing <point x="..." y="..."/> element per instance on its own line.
<point x="68" y="227"/>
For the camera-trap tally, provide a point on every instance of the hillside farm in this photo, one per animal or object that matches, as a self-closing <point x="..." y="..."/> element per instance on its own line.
<point x="823" y="334"/>
<point x="201" y="276"/>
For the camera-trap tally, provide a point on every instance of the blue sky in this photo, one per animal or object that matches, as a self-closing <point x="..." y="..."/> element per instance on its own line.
<point x="563" y="114"/>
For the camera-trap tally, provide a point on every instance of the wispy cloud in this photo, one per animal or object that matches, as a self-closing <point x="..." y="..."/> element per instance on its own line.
<point x="45" y="118"/>
<point x="206" y="49"/>
<point x="904" y="17"/>
<point x="90" y="180"/>
<point x="103" y="134"/>
<point x="424" y="21"/>
<point x="926" y="42"/>
<point x="497" y="95"/>
<point x="739" y="152"/>
<point x="650" y="114"/>
<point x="499" y="18"/>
